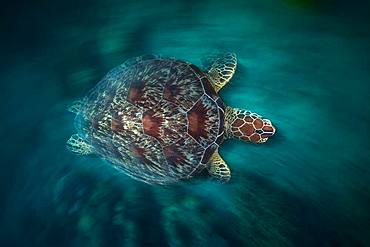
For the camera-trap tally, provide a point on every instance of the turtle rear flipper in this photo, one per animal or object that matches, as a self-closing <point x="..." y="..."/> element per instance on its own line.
<point x="78" y="145"/>
<point x="218" y="168"/>
<point x="76" y="106"/>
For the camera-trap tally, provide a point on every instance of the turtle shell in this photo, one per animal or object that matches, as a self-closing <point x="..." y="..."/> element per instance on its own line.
<point x="157" y="119"/>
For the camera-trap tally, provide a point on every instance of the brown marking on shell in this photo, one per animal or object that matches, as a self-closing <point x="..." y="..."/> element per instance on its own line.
<point x="152" y="124"/>
<point x="116" y="126"/>
<point x="147" y="88"/>
<point x="137" y="152"/>
<point x="222" y="121"/>
<point x="183" y="87"/>
<point x="197" y="121"/>
<point x="144" y="157"/>
<point x="167" y="121"/>
<point x="135" y="92"/>
<point x="203" y="121"/>
<point x="183" y="156"/>
<point x="141" y="157"/>
<point x="170" y="91"/>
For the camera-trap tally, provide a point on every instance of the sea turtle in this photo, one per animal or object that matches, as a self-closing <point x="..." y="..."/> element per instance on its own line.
<point x="161" y="120"/>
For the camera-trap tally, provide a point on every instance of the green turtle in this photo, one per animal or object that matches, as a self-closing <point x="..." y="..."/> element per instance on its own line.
<point x="161" y="120"/>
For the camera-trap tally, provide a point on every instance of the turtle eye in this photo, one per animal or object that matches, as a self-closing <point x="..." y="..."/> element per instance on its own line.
<point x="266" y="121"/>
<point x="259" y="131"/>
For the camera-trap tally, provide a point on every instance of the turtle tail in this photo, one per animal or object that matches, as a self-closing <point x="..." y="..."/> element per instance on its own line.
<point x="246" y="125"/>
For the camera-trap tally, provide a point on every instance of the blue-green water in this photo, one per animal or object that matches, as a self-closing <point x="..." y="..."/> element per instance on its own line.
<point x="303" y="64"/>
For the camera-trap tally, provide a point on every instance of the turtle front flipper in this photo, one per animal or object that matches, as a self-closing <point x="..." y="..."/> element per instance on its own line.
<point x="78" y="145"/>
<point x="222" y="70"/>
<point x="218" y="168"/>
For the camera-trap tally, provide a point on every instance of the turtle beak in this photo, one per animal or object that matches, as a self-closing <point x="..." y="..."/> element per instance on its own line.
<point x="268" y="130"/>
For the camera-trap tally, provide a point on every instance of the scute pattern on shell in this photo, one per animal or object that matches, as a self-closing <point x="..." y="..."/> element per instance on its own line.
<point x="157" y="119"/>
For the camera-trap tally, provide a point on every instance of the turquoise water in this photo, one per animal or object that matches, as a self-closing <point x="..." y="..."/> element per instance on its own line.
<point x="303" y="64"/>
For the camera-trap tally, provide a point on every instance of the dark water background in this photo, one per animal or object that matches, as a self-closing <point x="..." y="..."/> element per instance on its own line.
<point x="304" y="64"/>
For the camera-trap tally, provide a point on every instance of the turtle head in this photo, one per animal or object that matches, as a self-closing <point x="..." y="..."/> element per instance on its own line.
<point x="248" y="126"/>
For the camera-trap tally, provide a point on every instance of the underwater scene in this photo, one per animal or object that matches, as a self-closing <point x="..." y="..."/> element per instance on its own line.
<point x="303" y="64"/>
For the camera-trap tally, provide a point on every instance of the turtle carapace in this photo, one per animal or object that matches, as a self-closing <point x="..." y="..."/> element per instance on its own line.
<point x="161" y="120"/>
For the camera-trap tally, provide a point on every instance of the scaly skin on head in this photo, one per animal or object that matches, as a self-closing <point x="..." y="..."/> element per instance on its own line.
<point x="247" y="126"/>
